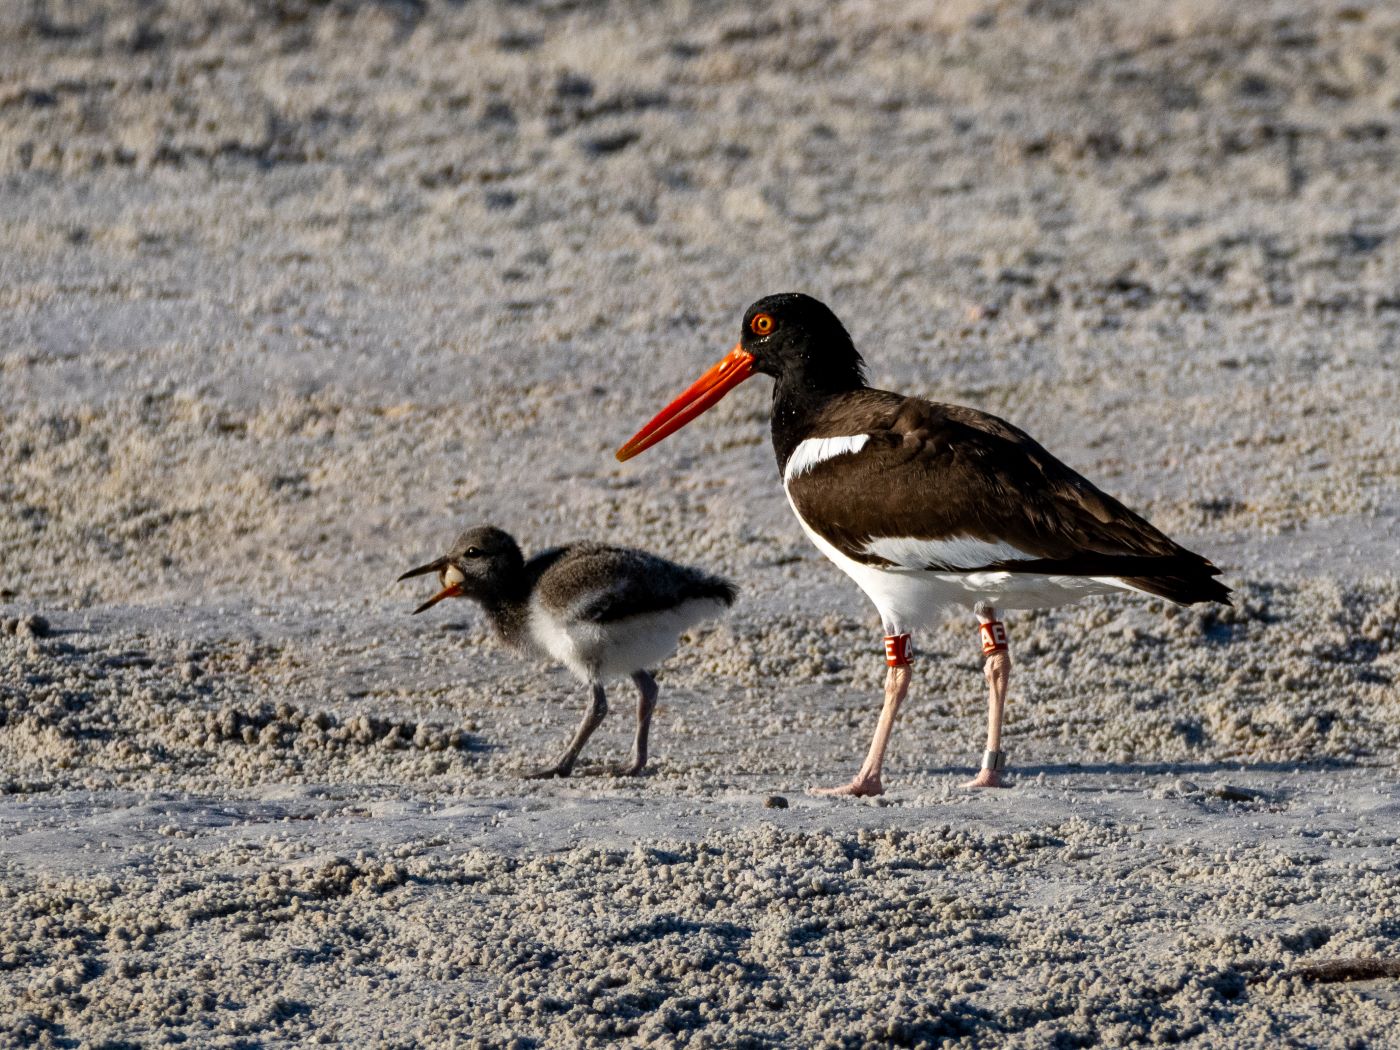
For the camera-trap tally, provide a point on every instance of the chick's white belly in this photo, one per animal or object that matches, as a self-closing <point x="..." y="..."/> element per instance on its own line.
<point x="602" y="650"/>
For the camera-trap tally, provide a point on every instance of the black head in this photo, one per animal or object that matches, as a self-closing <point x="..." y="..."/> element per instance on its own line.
<point x="483" y="564"/>
<point x="791" y="337"/>
<point x="797" y="338"/>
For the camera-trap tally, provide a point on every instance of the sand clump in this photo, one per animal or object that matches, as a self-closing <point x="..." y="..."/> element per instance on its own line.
<point x="136" y="714"/>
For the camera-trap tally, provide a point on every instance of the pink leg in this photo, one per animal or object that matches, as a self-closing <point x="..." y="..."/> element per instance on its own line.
<point x="998" y="671"/>
<point x="867" y="781"/>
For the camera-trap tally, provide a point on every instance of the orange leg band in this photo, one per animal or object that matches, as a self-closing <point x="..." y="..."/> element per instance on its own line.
<point x="993" y="637"/>
<point x="899" y="650"/>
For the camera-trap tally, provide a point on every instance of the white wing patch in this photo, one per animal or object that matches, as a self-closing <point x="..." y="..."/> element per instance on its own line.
<point x="955" y="552"/>
<point x="816" y="450"/>
<point x="909" y="600"/>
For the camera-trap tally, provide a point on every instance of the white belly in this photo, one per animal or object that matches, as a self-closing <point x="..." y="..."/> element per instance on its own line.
<point x="594" y="651"/>
<point x="913" y="598"/>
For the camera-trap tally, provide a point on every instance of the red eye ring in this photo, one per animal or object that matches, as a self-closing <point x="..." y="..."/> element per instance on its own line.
<point x="761" y="324"/>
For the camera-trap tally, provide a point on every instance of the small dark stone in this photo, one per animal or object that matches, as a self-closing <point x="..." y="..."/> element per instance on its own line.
<point x="32" y="627"/>
<point x="499" y="114"/>
<point x="518" y="41"/>
<point x="605" y="144"/>
<point x="1233" y="794"/>
<point x="145" y="37"/>
<point x="775" y="802"/>
<point x="572" y="85"/>
<point x="1334" y="971"/>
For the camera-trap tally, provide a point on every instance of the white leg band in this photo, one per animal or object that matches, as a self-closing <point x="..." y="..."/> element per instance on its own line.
<point x="993" y="760"/>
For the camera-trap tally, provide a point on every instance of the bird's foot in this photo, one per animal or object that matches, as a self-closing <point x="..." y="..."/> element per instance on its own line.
<point x="987" y="778"/>
<point x="548" y="772"/>
<point x="861" y="786"/>
<point x="628" y="769"/>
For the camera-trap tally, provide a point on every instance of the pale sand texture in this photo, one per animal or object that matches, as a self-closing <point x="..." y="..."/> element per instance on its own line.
<point x="291" y="291"/>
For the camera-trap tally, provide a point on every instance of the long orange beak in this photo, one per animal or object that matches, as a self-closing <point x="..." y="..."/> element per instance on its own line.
<point x="702" y="395"/>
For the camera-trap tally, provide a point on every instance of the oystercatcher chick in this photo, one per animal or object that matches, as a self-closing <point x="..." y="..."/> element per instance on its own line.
<point x="929" y="506"/>
<point x="600" y="611"/>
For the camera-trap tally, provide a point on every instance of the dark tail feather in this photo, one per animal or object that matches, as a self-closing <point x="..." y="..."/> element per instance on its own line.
<point x="1184" y="590"/>
<point x="1184" y="577"/>
<point x="720" y="589"/>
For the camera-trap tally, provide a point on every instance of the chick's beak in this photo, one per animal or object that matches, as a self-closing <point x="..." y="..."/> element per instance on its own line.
<point x="423" y="570"/>
<point x="452" y="590"/>
<point x="452" y="577"/>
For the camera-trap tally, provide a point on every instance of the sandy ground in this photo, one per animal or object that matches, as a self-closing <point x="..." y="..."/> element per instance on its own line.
<point x="290" y="291"/>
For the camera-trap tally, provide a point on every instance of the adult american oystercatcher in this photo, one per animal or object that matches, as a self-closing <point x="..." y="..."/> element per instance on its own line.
<point x="929" y="506"/>
<point x="600" y="611"/>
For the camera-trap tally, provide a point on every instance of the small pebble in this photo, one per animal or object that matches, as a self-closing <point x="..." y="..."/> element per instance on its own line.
<point x="32" y="626"/>
<point x="1233" y="794"/>
<point x="775" y="802"/>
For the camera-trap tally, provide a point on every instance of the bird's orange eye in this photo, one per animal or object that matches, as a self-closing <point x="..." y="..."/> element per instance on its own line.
<point x="762" y="324"/>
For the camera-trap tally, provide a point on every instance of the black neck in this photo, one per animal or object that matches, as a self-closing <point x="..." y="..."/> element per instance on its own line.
<point x="796" y="402"/>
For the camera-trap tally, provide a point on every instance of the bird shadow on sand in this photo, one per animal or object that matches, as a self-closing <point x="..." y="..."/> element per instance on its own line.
<point x="1060" y="769"/>
<point x="592" y="771"/>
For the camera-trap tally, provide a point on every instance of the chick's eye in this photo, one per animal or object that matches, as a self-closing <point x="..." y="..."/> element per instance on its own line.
<point x="473" y="552"/>
<point x="762" y="324"/>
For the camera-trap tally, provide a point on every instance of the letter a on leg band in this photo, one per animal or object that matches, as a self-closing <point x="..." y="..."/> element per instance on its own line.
<point x="993" y="637"/>
<point x="899" y="650"/>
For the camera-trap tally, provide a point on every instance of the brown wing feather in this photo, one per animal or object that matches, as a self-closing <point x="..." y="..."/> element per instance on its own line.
<point x="938" y="471"/>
